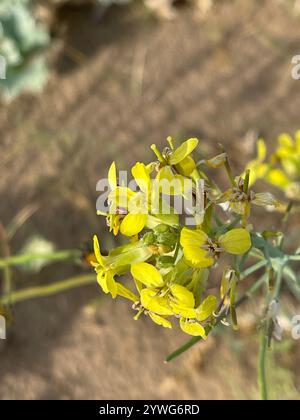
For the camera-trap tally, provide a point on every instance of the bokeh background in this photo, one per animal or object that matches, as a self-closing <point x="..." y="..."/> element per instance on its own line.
<point x="121" y="79"/>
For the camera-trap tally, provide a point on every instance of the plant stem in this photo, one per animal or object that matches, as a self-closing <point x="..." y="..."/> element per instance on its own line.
<point x="294" y="258"/>
<point x="262" y="376"/>
<point x="53" y="256"/>
<point x="252" y="269"/>
<point x="293" y="287"/>
<point x="278" y="283"/>
<point x="256" y="254"/>
<point x="7" y="280"/>
<point x="262" y="380"/>
<point x="43" y="291"/>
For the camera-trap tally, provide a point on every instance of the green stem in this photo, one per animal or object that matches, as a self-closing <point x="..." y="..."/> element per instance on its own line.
<point x="278" y="283"/>
<point x="7" y="280"/>
<point x="246" y="181"/>
<point x="252" y="269"/>
<point x="294" y="257"/>
<point x="43" y="291"/>
<point x="228" y="167"/>
<point x="256" y="254"/>
<point x="262" y="379"/>
<point x="53" y="256"/>
<point x="262" y="375"/>
<point x="293" y="287"/>
<point x="257" y="285"/>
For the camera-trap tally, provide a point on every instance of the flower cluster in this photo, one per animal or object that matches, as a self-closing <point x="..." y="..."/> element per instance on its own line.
<point x="282" y="168"/>
<point x="171" y="263"/>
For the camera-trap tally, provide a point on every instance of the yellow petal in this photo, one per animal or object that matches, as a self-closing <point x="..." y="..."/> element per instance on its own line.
<point x="183" y="151"/>
<point x="236" y="241"/>
<point x="261" y="150"/>
<point x="126" y="293"/>
<point x="111" y="284"/>
<point x="257" y="171"/>
<point x="107" y="282"/>
<point x="191" y="241"/>
<point x="198" y="257"/>
<point x="183" y="312"/>
<point x="278" y="178"/>
<point x="112" y="176"/>
<point x="120" y="197"/>
<point x="97" y="251"/>
<point x="142" y="177"/>
<point x="186" y="166"/>
<point x="285" y="141"/>
<point x="193" y="328"/>
<point x="147" y="274"/>
<point x="160" y="320"/>
<point x="154" y="303"/>
<point x="297" y="142"/>
<point x="190" y="237"/>
<point x="207" y="307"/>
<point x="182" y="296"/>
<point x="133" y="224"/>
<point x="169" y="183"/>
<point x="138" y="204"/>
<point x="101" y="279"/>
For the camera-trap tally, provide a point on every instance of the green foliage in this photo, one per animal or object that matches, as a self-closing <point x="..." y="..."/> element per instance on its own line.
<point x="22" y="42"/>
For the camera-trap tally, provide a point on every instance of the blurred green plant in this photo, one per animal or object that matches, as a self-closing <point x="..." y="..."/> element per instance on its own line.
<point x="36" y="254"/>
<point x="22" y="46"/>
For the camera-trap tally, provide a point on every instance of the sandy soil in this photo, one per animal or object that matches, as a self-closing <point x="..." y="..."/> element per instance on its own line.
<point x="119" y="85"/>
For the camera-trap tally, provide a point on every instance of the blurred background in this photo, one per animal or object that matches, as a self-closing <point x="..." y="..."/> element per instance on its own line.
<point x="90" y="82"/>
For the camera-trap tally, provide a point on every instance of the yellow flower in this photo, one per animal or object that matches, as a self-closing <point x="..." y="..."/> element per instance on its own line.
<point x="192" y="328"/>
<point x="160" y="300"/>
<point x="116" y="263"/>
<point x="201" y="251"/>
<point x="159" y="320"/>
<point x="174" y="165"/>
<point x="153" y="299"/>
<point x="138" y="206"/>
<point x="258" y="168"/>
<point x="144" y="206"/>
<point x="283" y="167"/>
<point x="147" y="274"/>
<point x="183" y="304"/>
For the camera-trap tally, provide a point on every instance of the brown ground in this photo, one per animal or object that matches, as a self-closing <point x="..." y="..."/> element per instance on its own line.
<point x="135" y="81"/>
